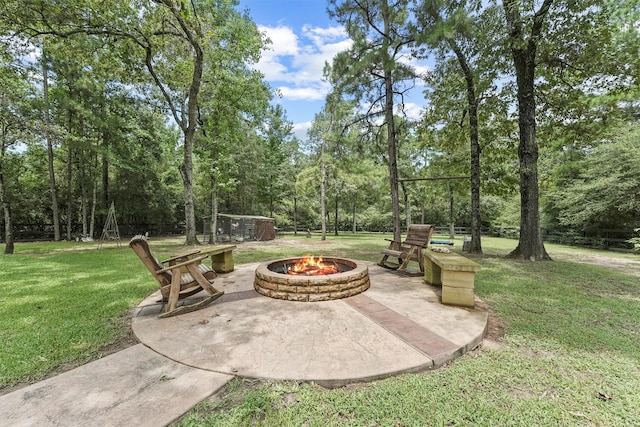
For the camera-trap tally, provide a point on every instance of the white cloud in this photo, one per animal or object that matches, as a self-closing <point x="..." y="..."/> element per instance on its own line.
<point x="308" y="93"/>
<point x="300" y="130"/>
<point x="294" y="64"/>
<point x="297" y="62"/>
<point x="284" y="43"/>
<point x="283" y="40"/>
<point x="421" y="69"/>
<point x="413" y="110"/>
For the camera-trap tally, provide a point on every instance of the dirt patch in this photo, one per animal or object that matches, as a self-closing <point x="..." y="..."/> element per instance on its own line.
<point x="281" y="243"/>
<point x="495" y="327"/>
<point x="120" y="344"/>
<point x="629" y="264"/>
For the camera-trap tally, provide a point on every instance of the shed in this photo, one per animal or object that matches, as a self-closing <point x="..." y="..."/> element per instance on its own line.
<point x="240" y="228"/>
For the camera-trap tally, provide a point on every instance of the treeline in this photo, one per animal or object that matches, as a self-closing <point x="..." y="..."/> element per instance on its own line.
<point x="154" y="105"/>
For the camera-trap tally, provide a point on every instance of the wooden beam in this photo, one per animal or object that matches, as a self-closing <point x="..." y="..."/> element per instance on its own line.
<point x="437" y="178"/>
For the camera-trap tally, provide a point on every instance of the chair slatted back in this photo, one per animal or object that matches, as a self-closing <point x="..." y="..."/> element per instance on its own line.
<point x="419" y="235"/>
<point x="141" y="248"/>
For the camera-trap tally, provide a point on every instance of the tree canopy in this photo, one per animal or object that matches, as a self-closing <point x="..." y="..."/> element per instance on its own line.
<point x="156" y="106"/>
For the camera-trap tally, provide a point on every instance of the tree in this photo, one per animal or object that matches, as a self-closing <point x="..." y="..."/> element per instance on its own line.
<point x="565" y="58"/>
<point x="277" y="174"/>
<point x="321" y="132"/>
<point x="186" y="38"/>
<point x="465" y="29"/>
<point x="233" y="103"/>
<point x="15" y="92"/>
<point x="524" y="34"/>
<point x="605" y="187"/>
<point x="48" y="136"/>
<point x="372" y="70"/>
<point x="173" y="35"/>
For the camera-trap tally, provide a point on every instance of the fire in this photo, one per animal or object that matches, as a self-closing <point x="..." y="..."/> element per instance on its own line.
<point x="312" y="266"/>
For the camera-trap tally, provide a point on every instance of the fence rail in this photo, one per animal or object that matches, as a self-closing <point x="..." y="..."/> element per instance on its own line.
<point x="608" y="238"/>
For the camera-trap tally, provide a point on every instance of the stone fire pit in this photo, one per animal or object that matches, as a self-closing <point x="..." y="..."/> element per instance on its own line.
<point x="272" y="280"/>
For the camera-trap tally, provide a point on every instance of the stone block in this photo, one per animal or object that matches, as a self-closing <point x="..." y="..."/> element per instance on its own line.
<point x="223" y="262"/>
<point x="288" y="288"/>
<point x="266" y="292"/>
<point x="308" y="289"/>
<point x="296" y="297"/>
<point x="458" y="279"/>
<point x="318" y="297"/>
<point x="331" y="287"/>
<point x="432" y="274"/>
<point x="264" y="284"/>
<point x="458" y="296"/>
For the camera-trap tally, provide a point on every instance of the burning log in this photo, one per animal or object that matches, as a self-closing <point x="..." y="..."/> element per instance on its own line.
<point x="310" y="266"/>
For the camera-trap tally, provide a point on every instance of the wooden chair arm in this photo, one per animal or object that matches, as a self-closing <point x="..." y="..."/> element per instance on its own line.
<point x="172" y="259"/>
<point x="182" y="264"/>
<point x="394" y="244"/>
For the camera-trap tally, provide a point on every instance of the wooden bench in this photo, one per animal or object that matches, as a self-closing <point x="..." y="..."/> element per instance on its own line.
<point x="221" y="257"/>
<point x="454" y="273"/>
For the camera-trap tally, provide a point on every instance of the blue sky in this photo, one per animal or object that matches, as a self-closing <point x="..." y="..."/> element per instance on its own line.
<point x="303" y="38"/>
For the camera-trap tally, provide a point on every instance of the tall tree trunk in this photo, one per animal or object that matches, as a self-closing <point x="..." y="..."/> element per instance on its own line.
<point x="391" y="129"/>
<point x="530" y="246"/>
<point x="47" y="123"/>
<point x="186" y="120"/>
<point x="189" y="134"/>
<point x="476" y="219"/>
<point x="323" y="183"/>
<point x="393" y="164"/>
<point x="85" y="211"/>
<point x="452" y="233"/>
<point x="186" y="168"/>
<point x="186" y="171"/>
<point x="69" y="192"/>
<point x="295" y="215"/>
<point x="8" y="222"/>
<point x="94" y="194"/>
<point x="105" y="170"/>
<point x="335" y="217"/>
<point x="472" y="103"/>
<point x="94" y="203"/>
<point x="84" y="202"/>
<point x="407" y="205"/>
<point x="213" y="239"/>
<point x="6" y="207"/>
<point x="354" y="228"/>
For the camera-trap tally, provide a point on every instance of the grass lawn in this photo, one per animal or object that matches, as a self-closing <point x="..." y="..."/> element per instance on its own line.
<point x="565" y="347"/>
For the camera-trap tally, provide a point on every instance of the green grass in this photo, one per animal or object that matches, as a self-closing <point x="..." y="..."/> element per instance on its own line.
<point x="62" y="307"/>
<point x="570" y="354"/>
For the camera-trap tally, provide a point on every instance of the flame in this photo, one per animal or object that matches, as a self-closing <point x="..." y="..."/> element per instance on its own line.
<point x="312" y="266"/>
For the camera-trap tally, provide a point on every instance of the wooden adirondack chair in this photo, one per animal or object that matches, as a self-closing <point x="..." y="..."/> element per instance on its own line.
<point x="418" y="237"/>
<point x="175" y="283"/>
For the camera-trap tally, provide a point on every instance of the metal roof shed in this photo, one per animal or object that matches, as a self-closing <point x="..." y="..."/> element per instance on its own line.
<point x="240" y="228"/>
